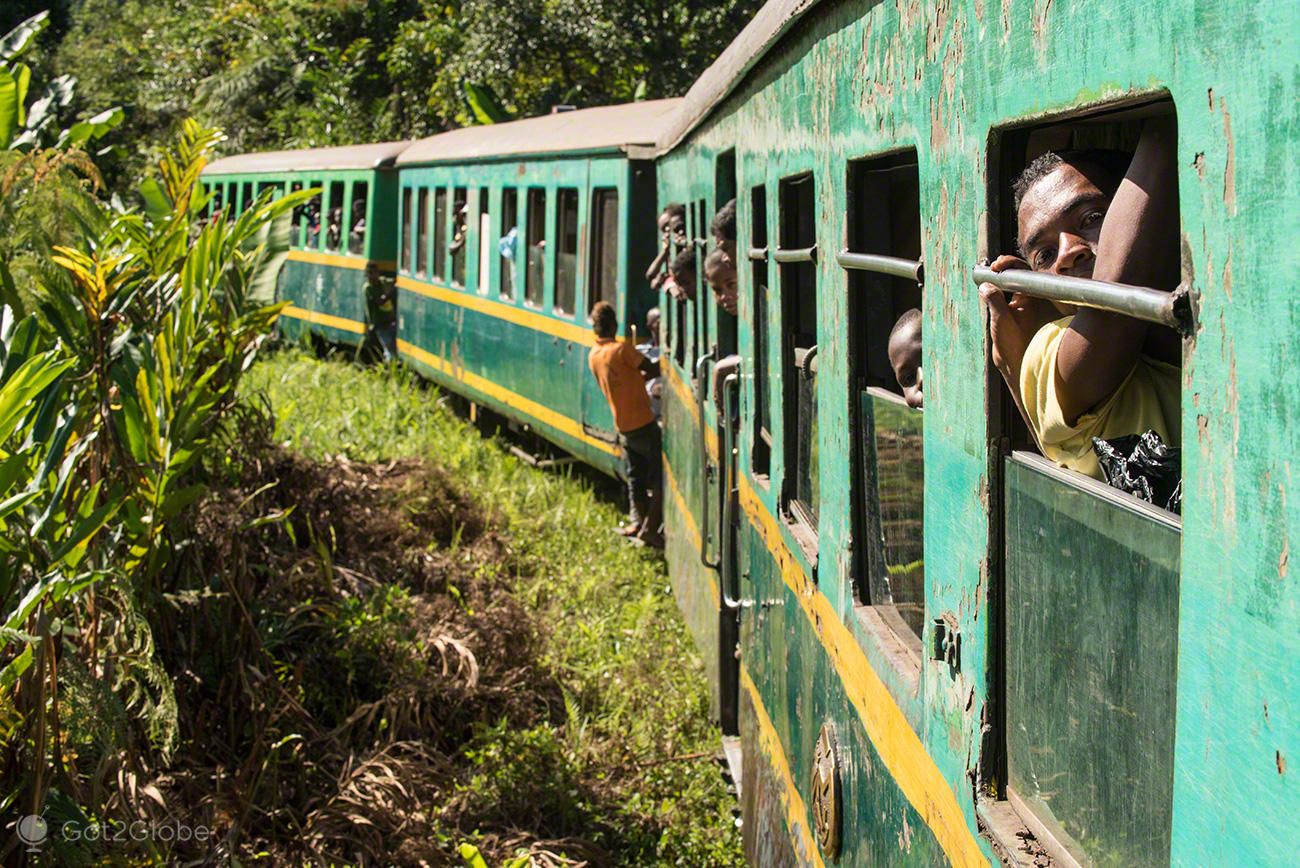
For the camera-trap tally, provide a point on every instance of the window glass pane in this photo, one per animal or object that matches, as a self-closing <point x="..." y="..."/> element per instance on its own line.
<point x="509" y="244"/>
<point x="406" y="230"/>
<point x="484" y="236"/>
<point x="894" y="485"/>
<point x="422" y="235"/>
<point x="357" y="223"/>
<point x="334" y="221"/>
<point x="566" y="250"/>
<point x="459" y="234"/>
<point x="1091" y="651"/>
<point x="533" y="287"/>
<point x="439" y="269"/>
<point x="604" y="247"/>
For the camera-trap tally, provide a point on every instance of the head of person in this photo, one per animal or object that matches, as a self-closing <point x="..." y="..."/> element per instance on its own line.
<point x="905" y="356"/>
<point x="358" y="209"/>
<point x="682" y="271"/>
<point x="604" y="320"/>
<point x="672" y="223"/>
<point x="1061" y="200"/>
<point x="720" y="272"/>
<point x="652" y="324"/>
<point x="723" y="227"/>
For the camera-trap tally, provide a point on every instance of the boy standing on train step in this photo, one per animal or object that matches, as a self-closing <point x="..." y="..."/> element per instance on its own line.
<point x="622" y="372"/>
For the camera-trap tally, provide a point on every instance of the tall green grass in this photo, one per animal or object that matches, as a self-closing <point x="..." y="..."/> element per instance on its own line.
<point x="636" y="696"/>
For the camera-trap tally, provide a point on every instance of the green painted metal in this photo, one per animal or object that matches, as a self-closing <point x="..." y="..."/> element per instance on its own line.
<point x="504" y="341"/>
<point x="954" y="80"/>
<point x="335" y="283"/>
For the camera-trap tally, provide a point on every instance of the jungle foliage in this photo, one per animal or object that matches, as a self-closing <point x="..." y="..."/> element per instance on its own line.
<point x="297" y="73"/>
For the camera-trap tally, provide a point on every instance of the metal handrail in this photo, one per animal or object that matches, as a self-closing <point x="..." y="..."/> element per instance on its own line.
<point x="799" y="254"/>
<point x="1173" y="309"/>
<point x="911" y="269"/>
<point x="731" y="600"/>
<point x="758" y="254"/>
<point x="701" y="393"/>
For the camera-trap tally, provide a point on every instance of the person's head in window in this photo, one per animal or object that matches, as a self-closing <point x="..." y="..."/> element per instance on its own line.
<point x="682" y="271"/>
<point x="1061" y="200"/>
<point x="604" y="320"/>
<point x="720" y="272"/>
<point x="672" y="224"/>
<point x="905" y="356"/>
<point x="723" y="227"/>
<point x="652" y="325"/>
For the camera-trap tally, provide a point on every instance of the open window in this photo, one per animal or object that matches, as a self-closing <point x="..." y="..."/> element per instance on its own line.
<point x="796" y="258"/>
<point x="459" y="234"/>
<point x="357" y="224"/>
<point x="758" y="256"/>
<point x="314" y="215"/>
<point x="534" y="284"/>
<point x="422" y="235"/>
<point x="484" y="235"/>
<point x="566" y="249"/>
<point x="438" y="269"/>
<point x="245" y="196"/>
<point x="1085" y="664"/>
<point x="509" y="245"/>
<point x="404" y="264"/>
<point x="603" y="262"/>
<point x="334" y="217"/>
<point x="882" y="262"/>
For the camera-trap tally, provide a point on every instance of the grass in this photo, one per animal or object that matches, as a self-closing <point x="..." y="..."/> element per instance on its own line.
<point x="630" y="758"/>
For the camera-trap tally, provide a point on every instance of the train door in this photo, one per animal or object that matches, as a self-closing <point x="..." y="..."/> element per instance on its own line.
<point x="601" y="242"/>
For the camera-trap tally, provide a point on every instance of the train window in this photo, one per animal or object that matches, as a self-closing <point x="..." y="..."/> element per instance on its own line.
<point x="724" y="179"/>
<point x="217" y="199"/>
<point x="536" y="247"/>
<point x="245" y="196"/>
<point x="484" y="235"/>
<point x="888" y="483"/>
<point x="299" y="218"/>
<point x="602" y="264"/>
<point x="798" y="287"/>
<point x="566" y="249"/>
<point x="422" y="235"/>
<point x="357" y="220"/>
<point x="405" y="252"/>
<point x="459" y="234"/>
<point x="509" y="245"/>
<point x="314" y="206"/>
<point x="1089" y="589"/>
<point x="438" y="269"/>
<point x="762" y="417"/>
<point x="334" y="220"/>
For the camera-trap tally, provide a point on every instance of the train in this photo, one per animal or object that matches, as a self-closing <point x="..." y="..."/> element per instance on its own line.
<point x="928" y="643"/>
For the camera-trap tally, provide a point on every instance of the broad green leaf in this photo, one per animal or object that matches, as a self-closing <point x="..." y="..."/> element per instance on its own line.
<point x="18" y="40"/>
<point x="156" y="202"/>
<point x="484" y="105"/>
<point x="91" y="128"/>
<point x="8" y="107"/>
<point x="23" y="76"/>
<point x="14" y="670"/>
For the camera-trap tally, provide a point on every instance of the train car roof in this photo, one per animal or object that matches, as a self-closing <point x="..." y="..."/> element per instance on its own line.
<point x="726" y="73"/>
<point x="376" y="156"/>
<point x="606" y="128"/>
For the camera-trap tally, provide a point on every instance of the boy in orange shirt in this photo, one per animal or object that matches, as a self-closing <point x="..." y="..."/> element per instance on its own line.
<point x="621" y="372"/>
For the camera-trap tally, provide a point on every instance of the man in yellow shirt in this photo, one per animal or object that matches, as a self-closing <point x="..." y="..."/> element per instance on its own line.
<point x="1080" y="373"/>
<point x="622" y="372"/>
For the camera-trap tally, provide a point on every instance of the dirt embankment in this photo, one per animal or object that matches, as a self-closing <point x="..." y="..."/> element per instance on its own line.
<point x="355" y="637"/>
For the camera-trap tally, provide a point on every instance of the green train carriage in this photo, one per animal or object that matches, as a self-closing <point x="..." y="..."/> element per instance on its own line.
<point x="929" y="643"/>
<point x="506" y="325"/>
<point x="343" y="247"/>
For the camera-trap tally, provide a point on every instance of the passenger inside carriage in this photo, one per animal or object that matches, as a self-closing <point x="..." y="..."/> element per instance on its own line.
<point x="621" y="372"/>
<point x="905" y="356"/>
<point x="723" y="228"/>
<point x="672" y="230"/>
<point x="681" y="273"/>
<point x="1078" y="373"/>
<point x="720" y="274"/>
<point x="654" y="386"/>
